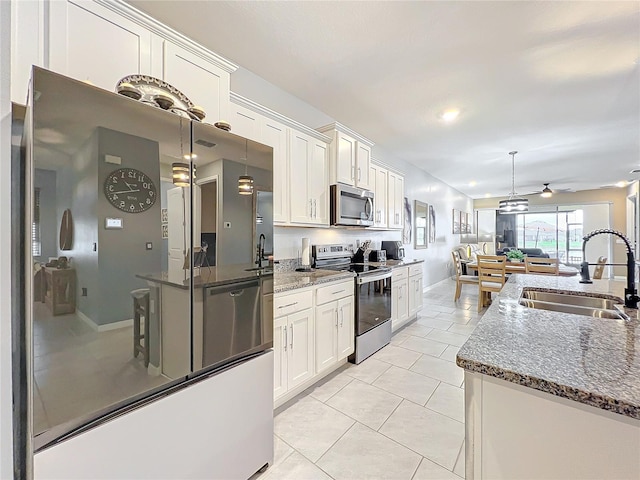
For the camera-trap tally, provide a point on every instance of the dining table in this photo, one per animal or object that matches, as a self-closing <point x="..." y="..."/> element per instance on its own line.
<point x="519" y="267"/>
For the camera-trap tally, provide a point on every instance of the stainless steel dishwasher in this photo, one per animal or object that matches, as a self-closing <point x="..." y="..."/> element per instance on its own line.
<point x="233" y="322"/>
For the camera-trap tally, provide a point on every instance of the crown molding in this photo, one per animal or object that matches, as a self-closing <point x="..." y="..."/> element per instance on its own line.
<point x="278" y="117"/>
<point x="392" y="169"/>
<point x="343" y="128"/>
<point x="141" y="18"/>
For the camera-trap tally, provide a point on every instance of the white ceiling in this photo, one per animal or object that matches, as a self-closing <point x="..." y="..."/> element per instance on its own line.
<point x="557" y="81"/>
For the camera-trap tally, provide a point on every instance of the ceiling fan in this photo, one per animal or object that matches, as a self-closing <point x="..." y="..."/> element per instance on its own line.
<point x="548" y="192"/>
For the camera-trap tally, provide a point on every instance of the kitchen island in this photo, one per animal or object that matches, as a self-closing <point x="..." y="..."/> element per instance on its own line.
<point x="550" y="394"/>
<point x="177" y="345"/>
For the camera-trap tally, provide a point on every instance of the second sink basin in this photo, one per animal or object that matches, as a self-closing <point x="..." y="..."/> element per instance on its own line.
<point x="569" y="300"/>
<point x="568" y="308"/>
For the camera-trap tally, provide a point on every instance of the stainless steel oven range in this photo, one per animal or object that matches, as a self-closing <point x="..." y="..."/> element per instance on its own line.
<point x="372" y="287"/>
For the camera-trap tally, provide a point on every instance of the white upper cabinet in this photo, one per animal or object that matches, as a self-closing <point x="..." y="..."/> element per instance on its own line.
<point x="378" y="176"/>
<point x="349" y="156"/>
<point x="275" y="135"/>
<point x="395" y="200"/>
<point x="245" y="122"/>
<point x="203" y="82"/>
<point x="90" y="42"/>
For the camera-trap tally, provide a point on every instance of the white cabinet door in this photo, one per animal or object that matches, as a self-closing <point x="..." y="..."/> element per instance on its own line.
<point x="395" y="199"/>
<point x="402" y="312"/>
<point x="378" y="176"/>
<point x="202" y="82"/>
<point x="300" y="347"/>
<point x="274" y="134"/>
<point x="415" y="294"/>
<point x="326" y="336"/>
<point x="179" y="226"/>
<point x="300" y="204"/>
<point x="363" y="162"/>
<point x="90" y="42"/>
<point x="280" y="356"/>
<point x="245" y="123"/>
<point x="318" y="182"/>
<point x="345" y="161"/>
<point x="346" y="335"/>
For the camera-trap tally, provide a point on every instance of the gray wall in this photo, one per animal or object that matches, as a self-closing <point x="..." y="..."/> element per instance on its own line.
<point x="122" y="253"/>
<point x="45" y="180"/>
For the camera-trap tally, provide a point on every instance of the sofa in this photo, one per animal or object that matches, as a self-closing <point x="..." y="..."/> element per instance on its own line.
<point x="529" y="252"/>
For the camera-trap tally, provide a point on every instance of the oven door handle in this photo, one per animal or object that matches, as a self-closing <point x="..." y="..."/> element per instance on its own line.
<point x="373" y="278"/>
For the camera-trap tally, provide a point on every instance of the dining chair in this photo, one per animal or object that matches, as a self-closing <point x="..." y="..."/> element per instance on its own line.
<point x="599" y="270"/>
<point x="491" y="277"/>
<point x="460" y="277"/>
<point x="540" y="265"/>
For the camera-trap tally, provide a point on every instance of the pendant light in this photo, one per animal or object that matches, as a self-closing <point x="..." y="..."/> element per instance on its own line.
<point x="245" y="182"/>
<point x="180" y="171"/>
<point x="513" y="204"/>
<point x="546" y="192"/>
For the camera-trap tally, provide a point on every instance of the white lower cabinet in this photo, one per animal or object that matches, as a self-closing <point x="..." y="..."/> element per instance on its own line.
<point x="406" y="294"/>
<point x="334" y="330"/>
<point x="313" y="335"/>
<point x="415" y="289"/>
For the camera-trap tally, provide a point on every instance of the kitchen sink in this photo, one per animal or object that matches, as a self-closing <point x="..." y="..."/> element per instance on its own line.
<point x="574" y="309"/>
<point x="572" y="300"/>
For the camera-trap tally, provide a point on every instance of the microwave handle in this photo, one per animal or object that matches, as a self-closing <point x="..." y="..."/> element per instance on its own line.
<point x="368" y="209"/>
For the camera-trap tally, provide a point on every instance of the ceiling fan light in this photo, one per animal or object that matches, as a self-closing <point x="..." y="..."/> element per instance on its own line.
<point x="546" y="192"/>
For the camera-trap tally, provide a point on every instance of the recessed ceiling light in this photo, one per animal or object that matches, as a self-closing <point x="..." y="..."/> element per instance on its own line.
<point x="487" y="195"/>
<point x="473" y="183"/>
<point x="621" y="184"/>
<point x="450" y="114"/>
<point x="190" y="156"/>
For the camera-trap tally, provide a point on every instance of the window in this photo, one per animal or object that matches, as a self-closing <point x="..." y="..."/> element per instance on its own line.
<point x="558" y="234"/>
<point x="36" y="247"/>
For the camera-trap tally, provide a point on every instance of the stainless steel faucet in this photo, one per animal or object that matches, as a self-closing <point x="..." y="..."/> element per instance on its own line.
<point x="260" y="250"/>
<point x="630" y="293"/>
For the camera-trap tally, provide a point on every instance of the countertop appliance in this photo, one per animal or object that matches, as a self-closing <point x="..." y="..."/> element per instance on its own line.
<point x="351" y="206"/>
<point x="394" y="249"/>
<point x="372" y="286"/>
<point x="378" y="256"/>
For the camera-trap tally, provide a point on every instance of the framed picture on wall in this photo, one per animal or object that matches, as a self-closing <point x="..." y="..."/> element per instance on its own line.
<point x="469" y="222"/>
<point x="432" y="224"/>
<point x="463" y="222"/>
<point x="456" y="221"/>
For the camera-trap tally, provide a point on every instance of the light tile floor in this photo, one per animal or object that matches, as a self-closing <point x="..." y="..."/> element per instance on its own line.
<point x="398" y="415"/>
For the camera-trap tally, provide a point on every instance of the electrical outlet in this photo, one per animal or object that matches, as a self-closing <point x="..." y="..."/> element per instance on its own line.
<point x="84" y="291"/>
<point x="149" y="245"/>
<point x="227" y="224"/>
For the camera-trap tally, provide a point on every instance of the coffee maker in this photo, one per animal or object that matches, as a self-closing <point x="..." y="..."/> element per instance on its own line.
<point x="394" y="249"/>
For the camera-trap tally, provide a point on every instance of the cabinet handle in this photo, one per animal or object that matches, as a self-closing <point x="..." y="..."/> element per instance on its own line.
<point x="310" y="208"/>
<point x="336" y="319"/>
<point x="353" y="172"/>
<point x="291" y="337"/>
<point x="288" y="305"/>
<point x="341" y="318"/>
<point x="315" y="208"/>
<point x="359" y="174"/>
<point x="285" y="339"/>
<point x="339" y="291"/>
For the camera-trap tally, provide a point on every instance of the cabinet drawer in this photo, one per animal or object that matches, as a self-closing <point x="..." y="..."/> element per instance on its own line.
<point x="290" y="303"/>
<point x="400" y="273"/>
<point x="415" y="269"/>
<point x="334" y="291"/>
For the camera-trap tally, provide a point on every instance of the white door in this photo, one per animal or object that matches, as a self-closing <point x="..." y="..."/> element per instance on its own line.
<point x="280" y="356"/>
<point x="274" y="134"/>
<point x="300" y="348"/>
<point x="90" y="42"/>
<point x="346" y="335"/>
<point x="202" y="82"/>
<point x="363" y="162"/>
<point x="179" y="224"/>
<point x="345" y="159"/>
<point x="300" y="203"/>
<point x="326" y="326"/>
<point x="318" y="182"/>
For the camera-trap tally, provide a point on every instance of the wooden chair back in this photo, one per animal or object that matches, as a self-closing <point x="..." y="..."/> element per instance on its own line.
<point x="599" y="270"/>
<point x="491" y="272"/>
<point x="547" y="266"/>
<point x="456" y="263"/>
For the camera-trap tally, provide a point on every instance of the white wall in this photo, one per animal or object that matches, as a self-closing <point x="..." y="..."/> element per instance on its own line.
<point x="6" y="430"/>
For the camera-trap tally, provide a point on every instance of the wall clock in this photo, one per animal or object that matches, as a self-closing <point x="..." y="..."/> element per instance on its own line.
<point x="130" y="190"/>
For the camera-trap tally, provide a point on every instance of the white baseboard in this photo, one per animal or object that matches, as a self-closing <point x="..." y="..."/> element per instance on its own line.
<point x="434" y="285"/>
<point x="106" y="327"/>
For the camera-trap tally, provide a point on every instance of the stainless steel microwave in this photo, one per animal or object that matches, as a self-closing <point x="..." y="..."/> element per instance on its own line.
<point x="351" y="206"/>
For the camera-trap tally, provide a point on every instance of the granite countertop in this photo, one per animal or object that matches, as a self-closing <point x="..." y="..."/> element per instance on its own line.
<point x="291" y="280"/>
<point x="595" y="361"/>
<point x="208" y="276"/>
<point x="397" y="263"/>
